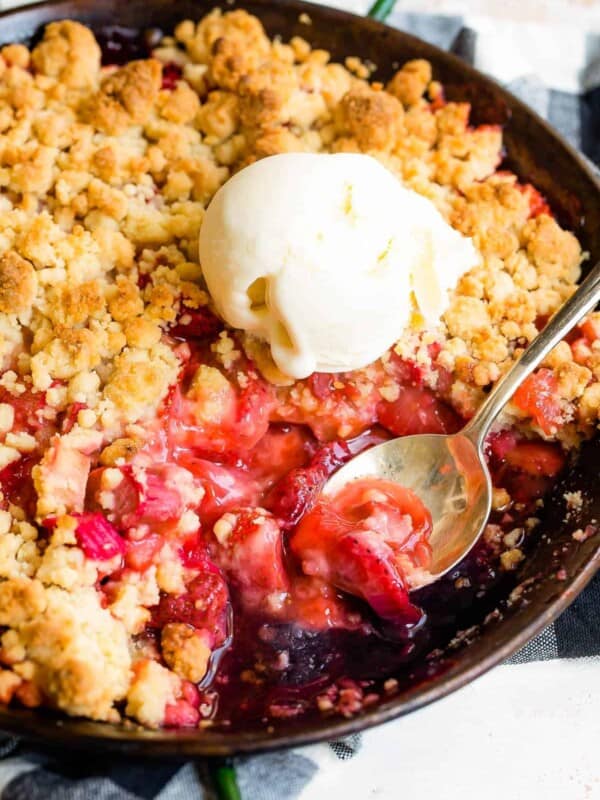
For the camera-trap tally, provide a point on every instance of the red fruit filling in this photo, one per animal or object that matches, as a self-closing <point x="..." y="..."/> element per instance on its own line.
<point x="591" y="329"/>
<point x="310" y="585"/>
<point x="538" y="397"/>
<point x="417" y="410"/>
<point x="70" y="417"/>
<point x="225" y="488"/>
<point x="269" y="550"/>
<point x="16" y="484"/>
<point x="98" y="539"/>
<point x="341" y="404"/>
<point x="527" y="468"/>
<point x="141" y="496"/>
<point x="185" y="712"/>
<point x="248" y="547"/>
<point x="213" y="412"/>
<point x="536" y="458"/>
<point x="199" y="323"/>
<point x="537" y="202"/>
<point x="369" y="540"/>
<point x="297" y="492"/>
<point x="32" y="414"/>
<point x="140" y="554"/>
<point x="181" y="714"/>
<point x="171" y="75"/>
<point x="203" y="605"/>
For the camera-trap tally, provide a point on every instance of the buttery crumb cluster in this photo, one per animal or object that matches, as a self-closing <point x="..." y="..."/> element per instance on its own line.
<point x="105" y="173"/>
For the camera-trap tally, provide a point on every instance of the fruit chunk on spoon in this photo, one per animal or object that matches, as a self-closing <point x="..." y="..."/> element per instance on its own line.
<point x="449" y="473"/>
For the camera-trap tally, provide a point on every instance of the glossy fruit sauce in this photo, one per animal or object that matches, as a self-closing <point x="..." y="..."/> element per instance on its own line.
<point x="306" y="604"/>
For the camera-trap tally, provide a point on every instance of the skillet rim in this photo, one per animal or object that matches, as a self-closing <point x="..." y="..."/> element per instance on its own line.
<point x="59" y="732"/>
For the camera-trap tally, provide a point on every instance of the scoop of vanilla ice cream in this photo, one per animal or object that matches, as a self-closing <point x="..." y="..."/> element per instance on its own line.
<point x="324" y="256"/>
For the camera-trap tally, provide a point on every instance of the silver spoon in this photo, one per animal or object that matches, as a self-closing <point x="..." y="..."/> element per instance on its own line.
<point x="449" y="473"/>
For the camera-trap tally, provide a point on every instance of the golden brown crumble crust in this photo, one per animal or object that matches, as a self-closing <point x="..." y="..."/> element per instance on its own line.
<point x="185" y="651"/>
<point x="126" y="97"/>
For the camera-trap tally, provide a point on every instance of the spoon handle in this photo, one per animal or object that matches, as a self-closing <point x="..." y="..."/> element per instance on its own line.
<point x="577" y="306"/>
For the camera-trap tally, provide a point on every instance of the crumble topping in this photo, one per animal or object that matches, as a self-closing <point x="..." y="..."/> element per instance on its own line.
<point x="69" y="53"/>
<point x="125" y="98"/>
<point x="105" y="173"/>
<point x="185" y="651"/>
<point x="152" y="689"/>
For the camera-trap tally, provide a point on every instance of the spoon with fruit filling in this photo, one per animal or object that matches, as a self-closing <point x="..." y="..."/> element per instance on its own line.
<point x="330" y="276"/>
<point x="448" y="474"/>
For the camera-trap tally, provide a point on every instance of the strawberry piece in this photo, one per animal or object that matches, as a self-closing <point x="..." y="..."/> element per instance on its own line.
<point x="98" y="539"/>
<point x="191" y="693"/>
<point x="591" y="328"/>
<point x="225" y="488"/>
<point x="17" y="485"/>
<point x="140" y="554"/>
<point x="171" y="74"/>
<point x="197" y="323"/>
<point x="194" y="552"/>
<point x="538" y="397"/>
<point x="282" y="448"/>
<point x="146" y="496"/>
<point x="158" y="502"/>
<point x="251" y="554"/>
<point x="500" y="443"/>
<point x="330" y="457"/>
<point x="536" y="458"/>
<point x="297" y="492"/>
<point x="232" y="419"/>
<point x="321" y="384"/>
<point x="367" y="569"/>
<point x="537" y="202"/>
<point x="181" y="714"/>
<point x="368" y="541"/>
<point x="294" y="495"/>
<point x="185" y="712"/>
<point x="204" y="605"/>
<point x="316" y="605"/>
<point x="529" y="469"/>
<point x="254" y="405"/>
<point x="417" y="410"/>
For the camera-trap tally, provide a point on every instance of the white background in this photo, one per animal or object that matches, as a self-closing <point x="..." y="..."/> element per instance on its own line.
<point x="521" y="732"/>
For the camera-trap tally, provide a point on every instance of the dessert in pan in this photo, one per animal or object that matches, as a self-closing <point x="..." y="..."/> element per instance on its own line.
<point x="227" y="265"/>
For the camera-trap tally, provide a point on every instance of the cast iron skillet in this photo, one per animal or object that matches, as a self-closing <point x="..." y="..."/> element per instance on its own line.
<point x="559" y="568"/>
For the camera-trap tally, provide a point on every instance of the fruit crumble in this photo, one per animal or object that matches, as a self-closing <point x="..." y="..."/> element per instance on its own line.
<point x="160" y="475"/>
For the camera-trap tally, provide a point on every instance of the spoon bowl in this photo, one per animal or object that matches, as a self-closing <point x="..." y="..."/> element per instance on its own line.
<point x="447" y="473"/>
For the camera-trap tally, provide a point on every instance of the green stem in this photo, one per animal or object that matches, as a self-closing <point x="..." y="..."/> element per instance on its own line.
<point x="381" y="9"/>
<point x="223" y="776"/>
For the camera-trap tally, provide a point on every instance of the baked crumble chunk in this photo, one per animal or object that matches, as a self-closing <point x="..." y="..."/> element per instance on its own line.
<point x="155" y="465"/>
